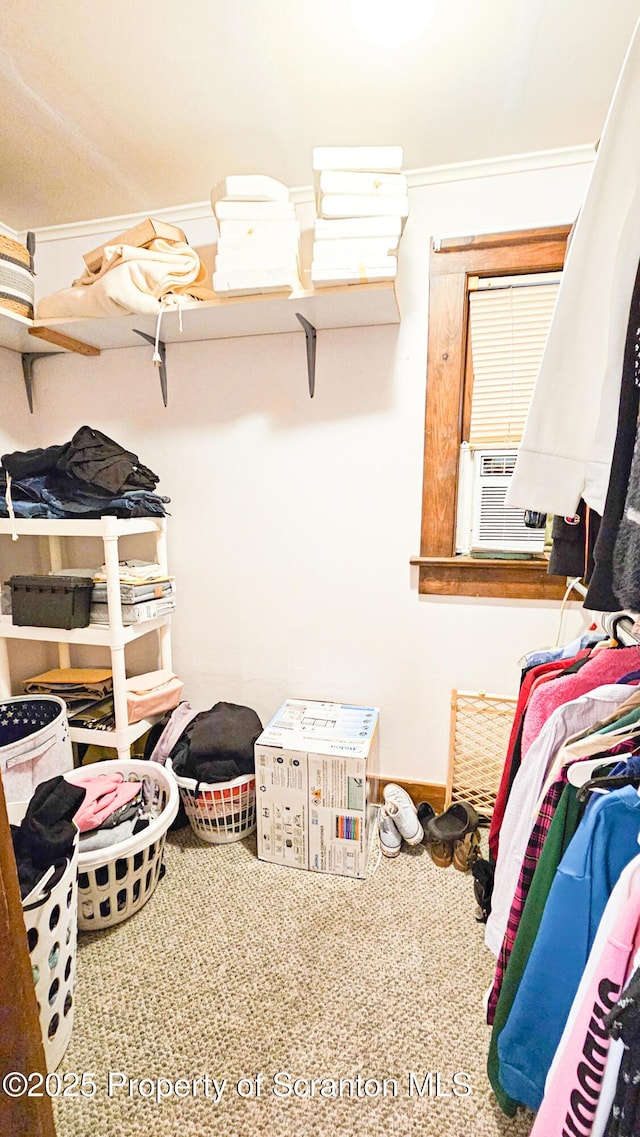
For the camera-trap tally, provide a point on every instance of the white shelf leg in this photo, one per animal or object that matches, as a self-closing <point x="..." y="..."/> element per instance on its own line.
<point x="161" y="547"/>
<point x="55" y="563"/>
<point x="118" y="669"/>
<point x="5" y="674"/>
<point x="162" y="559"/>
<point x="120" y="701"/>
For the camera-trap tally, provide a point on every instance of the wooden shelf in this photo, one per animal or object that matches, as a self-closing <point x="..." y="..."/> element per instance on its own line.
<point x="347" y="306"/>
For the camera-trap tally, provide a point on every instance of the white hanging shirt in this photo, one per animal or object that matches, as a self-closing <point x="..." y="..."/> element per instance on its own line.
<point x="568" y="440"/>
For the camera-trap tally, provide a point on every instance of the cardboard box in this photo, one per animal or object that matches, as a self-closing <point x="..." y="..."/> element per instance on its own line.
<point x="139" y="236"/>
<point x="316" y="764"/>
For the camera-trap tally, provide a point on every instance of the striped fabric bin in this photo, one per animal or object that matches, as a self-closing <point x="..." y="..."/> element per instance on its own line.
<point x="16" y="277"/>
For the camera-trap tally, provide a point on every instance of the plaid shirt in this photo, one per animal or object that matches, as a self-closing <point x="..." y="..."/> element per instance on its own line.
<point x="527" y="869"/>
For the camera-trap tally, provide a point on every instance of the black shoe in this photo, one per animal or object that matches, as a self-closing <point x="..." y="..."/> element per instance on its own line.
<point x="454" y="823"/>
<point x="426" y="813"/>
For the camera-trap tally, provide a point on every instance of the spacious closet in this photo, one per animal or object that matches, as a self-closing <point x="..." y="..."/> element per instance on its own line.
<point x="305" y="450"/>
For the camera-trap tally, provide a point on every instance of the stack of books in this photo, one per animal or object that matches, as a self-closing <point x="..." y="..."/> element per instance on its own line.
<point x="259" y="244"/>
<point x="362" y="205"/>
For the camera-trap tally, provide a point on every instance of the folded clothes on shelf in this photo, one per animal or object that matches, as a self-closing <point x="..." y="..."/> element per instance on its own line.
<point x="134" y="593"/>
<point x="133" y="572"/>
<point x="98" y="715"/>
<point x="90" y="476"/>
<point x="73" y="684"/>
<point x="148" y="694"/>
<point x="134" y="613"/>
<point x="152" y="694"/>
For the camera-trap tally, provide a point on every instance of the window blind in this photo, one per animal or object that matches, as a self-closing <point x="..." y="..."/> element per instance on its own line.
<point x="509" y="323"/>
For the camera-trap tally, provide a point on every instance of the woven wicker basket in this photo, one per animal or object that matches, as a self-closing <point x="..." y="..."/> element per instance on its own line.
<point x="16" y="277"/>
<point x="480" y="729"/>
<point x="14" y="251"/>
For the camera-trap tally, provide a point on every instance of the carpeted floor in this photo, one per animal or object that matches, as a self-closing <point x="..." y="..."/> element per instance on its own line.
<point x="237" y="969"/>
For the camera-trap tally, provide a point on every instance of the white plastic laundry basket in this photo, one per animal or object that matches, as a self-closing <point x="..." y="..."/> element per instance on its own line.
<point x="114" y="883"/>
<point x="219" y="812"/>
<point x="34" y="743"/>
<point x="50" y="917"/>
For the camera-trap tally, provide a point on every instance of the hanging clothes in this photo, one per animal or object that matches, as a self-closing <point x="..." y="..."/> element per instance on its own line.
<point x="514" y="748"/>
<point x="567" y="445"/>
<point x="605" y="841"/>
<point x="572" y="1092"/>
<point x="563" y="827"/>
<point x="600" y="593"/>
<point x="584" y="706"/>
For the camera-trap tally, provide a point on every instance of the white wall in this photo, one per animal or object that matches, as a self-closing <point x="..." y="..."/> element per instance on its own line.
<point x="293" y="521"/>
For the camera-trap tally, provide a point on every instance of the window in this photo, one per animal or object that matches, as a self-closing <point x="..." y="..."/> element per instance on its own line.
<point x="509" y="318"/>
<point x="460" y="268"/>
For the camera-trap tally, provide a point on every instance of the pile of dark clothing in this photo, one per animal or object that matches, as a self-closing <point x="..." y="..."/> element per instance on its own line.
<point x="90" y="476"/>
<point x="44" y="840"/>
<point x="217" y="745"/>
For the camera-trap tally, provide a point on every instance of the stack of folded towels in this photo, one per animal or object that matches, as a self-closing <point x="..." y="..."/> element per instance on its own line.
<point x="259" y="242"/>
<point x="362" y="205"/>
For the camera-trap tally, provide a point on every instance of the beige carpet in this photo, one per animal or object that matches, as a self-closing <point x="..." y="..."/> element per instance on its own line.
<point x="237" y="968"/>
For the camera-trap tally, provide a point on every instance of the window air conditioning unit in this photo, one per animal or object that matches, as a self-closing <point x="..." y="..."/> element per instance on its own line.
<point x="482" y="522"/>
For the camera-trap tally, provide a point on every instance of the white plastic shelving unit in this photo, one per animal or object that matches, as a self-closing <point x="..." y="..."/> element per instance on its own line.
<point x="115" y="636"/>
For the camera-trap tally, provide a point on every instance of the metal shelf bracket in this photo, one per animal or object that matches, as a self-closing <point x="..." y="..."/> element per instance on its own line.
<point x="28" y="360"/>
<point x="161" y="362"/>
<point x="311" y="337"/>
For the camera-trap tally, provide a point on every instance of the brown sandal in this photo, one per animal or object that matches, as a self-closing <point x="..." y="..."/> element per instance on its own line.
<point x="441" y="853"/>
<point x="466" y="851"/>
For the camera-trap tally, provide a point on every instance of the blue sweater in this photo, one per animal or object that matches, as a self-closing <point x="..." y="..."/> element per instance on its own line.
<point x="605" y="841"/>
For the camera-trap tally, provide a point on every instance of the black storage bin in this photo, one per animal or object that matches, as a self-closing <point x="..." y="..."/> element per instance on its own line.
<point x="51" y="601"/>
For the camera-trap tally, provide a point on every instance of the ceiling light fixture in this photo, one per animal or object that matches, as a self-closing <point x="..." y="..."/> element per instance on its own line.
<point x="390" y="23"/>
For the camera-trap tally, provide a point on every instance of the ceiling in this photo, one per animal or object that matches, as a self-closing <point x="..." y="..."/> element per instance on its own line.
<point x="131" y="106"/>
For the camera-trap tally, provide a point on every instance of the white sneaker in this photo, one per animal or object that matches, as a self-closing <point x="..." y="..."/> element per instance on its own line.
<point x="390" y="839"/>
<point x="400" y="808"/>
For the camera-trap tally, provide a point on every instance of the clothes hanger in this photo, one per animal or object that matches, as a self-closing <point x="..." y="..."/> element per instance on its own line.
<point x="605" y="784"/>
<point x="620" y="625"/>
<point x="579" y="773"/>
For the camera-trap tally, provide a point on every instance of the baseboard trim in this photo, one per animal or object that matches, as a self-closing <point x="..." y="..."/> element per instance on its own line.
<point x="433" y="792"/>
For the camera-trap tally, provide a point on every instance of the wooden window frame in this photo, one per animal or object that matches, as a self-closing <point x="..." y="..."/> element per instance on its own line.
<point x="451" y="263"/>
